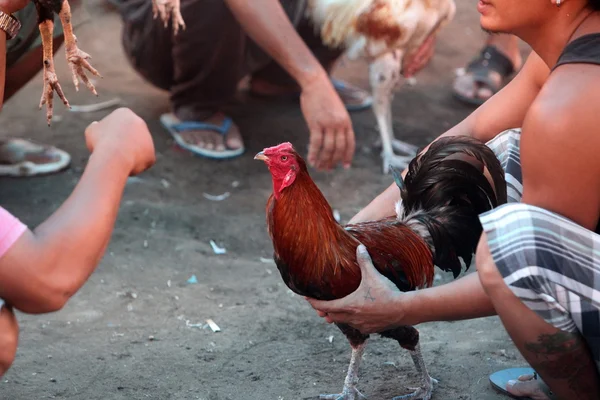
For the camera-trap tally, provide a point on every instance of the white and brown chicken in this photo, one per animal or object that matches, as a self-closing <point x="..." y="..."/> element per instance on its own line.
<point x="383" y="32"/>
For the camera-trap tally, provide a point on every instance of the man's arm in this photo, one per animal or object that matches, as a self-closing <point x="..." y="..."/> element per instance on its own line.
<point x="331" y="134"/>
<point x="503" y="111"/>
<point x="266" y="22"/>
<point x="44" y="268"/>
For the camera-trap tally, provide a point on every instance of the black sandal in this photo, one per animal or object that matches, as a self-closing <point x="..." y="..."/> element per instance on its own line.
<point x="490" y="59"/>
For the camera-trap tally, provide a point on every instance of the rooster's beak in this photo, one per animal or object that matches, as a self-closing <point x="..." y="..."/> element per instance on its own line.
<point x="261" y="156"/>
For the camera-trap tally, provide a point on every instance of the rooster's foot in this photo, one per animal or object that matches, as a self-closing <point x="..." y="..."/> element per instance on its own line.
<point x="421" y="393"/>
<point x="400" y="146"/>
<point x="78" y="60"/>
<point x="349" y="393"/>
<point x="398" y="162"/>
<point x="403" y="147"/>
<point x="50" y="85"/>
<point x="169" y="9"/>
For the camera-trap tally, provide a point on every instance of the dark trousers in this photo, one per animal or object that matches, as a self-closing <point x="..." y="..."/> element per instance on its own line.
<point x="202" y="66"/>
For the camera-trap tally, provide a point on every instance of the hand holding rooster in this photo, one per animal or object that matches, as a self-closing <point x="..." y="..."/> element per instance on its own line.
<point x="376" y="306"/>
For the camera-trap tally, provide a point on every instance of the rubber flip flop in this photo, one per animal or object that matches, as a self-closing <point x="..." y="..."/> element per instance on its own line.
<point x="23" y="158"/>
<point x="489" y="59"/>
<point x="175" y="127"/>
<point x="337" y="85"/>
<point x="340" y="86"/>
<point x="500" y="379"/>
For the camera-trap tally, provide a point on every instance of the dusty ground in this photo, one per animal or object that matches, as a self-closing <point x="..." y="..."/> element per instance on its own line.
<point x="125" y="334"/>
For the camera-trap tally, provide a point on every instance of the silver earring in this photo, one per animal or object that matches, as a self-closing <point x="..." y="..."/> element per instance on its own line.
<point x="558" y="3"/>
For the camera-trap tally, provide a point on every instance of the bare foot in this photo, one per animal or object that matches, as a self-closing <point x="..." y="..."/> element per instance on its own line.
<point x="479" y="83"/>
<point x="211" y="140"/>
<point x="528" y="386"/>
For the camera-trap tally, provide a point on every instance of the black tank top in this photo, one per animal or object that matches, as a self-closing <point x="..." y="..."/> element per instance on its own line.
<point x="583" y="50"/>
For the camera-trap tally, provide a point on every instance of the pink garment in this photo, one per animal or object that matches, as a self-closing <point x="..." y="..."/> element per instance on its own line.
<point x="11" y="229"/>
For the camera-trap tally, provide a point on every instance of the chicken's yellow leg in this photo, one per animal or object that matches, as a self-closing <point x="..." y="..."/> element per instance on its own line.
<point x="50" y="80"/>
<point x="77" y="59"/>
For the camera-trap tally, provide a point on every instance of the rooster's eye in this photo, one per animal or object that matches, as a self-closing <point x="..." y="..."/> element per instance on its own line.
<point x="283" y="158"/>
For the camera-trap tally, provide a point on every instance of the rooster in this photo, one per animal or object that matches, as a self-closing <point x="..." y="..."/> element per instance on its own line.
<point x="436" y="223"/>
<point x="382" y="32"/>
<point x="77" y="59"/>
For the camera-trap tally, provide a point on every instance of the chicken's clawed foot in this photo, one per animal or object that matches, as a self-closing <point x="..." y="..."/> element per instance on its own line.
<point x="421" y="393"/>
<point x="169" y="9"/>
<point x="78" y="60"/>
<point x="50" y="85"/>
<point x="396" y="161"/>
<point x="349" y="393"/>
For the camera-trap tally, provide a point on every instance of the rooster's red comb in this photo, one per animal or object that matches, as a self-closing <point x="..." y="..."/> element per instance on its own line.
<point x="280" y="147"/>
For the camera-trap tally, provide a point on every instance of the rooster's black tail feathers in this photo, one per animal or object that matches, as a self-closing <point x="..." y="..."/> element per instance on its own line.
<point x="446" y="189"/>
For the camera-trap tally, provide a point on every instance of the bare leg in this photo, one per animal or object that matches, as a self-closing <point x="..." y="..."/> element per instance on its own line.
<point x="77" y="59"/>
<point x="384" y="74"/>
<point x="562" y="359"/>
<point x="169" y="9"/>
<point x="50" y="80"/>
<point x="9" y="338"/>
<point x="350" y="392"/>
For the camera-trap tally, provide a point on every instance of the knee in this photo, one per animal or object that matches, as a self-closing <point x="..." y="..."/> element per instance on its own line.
<point x="489" y="276"/>
<point x="9" y="338"/>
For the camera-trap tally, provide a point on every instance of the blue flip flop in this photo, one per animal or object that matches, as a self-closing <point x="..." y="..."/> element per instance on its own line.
<point x="367" y="103"/>
<point x="337" y="85"/>
<point x="499" y="380"/>
<point x="174" y="126"/>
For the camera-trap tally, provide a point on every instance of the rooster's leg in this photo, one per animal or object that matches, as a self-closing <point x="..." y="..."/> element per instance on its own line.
<point x="169" y="9"/>
<point x="50" y="80"/>
<point x="427" y="382"/>
<point x="384" y="74"/>
<point x="77" y="59"/>
<point x="408" y="338"/>
<point x="350" y="391"/>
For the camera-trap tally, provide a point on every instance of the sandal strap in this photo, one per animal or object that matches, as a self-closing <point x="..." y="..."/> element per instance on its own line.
<point x="491" y="58"/>
<point x="198" y="125"/>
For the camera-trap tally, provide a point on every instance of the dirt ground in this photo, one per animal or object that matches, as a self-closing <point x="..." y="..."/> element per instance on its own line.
<point x="132" y="333"/>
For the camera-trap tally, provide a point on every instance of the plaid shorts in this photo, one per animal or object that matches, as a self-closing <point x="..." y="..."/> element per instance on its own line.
<point x="548" y="261"/>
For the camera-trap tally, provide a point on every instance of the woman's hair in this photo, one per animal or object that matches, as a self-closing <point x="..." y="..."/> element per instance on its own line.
<point x="595" y="4"/>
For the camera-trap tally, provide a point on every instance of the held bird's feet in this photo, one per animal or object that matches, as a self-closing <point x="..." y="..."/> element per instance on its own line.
<point x="349" y="393"/>
<point x="78" y="60"/>
<point x="403" y="147"/>
<point x="169" y="9"/>
<point x="398" y="162"/>
<point x="50" y="85"/>
<point x="421" y="393"/>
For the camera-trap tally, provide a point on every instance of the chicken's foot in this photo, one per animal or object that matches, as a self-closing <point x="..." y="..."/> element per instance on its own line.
<point x="384" y="76"/>
<point x="77" y="59"/>
<point x="50" y="80"/>
<point x="426" y="390"/>
<point x="350" y="391"/>
<point x="169" y="9"/>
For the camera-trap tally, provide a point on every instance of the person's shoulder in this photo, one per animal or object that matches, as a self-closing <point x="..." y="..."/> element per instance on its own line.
<point x="569" y="97"/>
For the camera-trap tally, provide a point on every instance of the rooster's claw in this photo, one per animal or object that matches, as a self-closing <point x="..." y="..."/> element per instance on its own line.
<point x="347" y="394"/>
<point x="421" y="393"/>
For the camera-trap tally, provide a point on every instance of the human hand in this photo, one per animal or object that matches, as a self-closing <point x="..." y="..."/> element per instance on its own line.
<point x="331" y="133"/>
<point x="12" y="6"/>
<point x="376" y="305"/>
<point x="124" y="135"/>
<point x="416" y="61"/>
